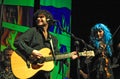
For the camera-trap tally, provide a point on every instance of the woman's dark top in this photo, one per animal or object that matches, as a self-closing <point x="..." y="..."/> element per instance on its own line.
<point x="100" y="66"/>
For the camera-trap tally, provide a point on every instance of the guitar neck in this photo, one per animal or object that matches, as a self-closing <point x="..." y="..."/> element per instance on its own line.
<point x="68" y="55"/>
<point x="58" y="57"/>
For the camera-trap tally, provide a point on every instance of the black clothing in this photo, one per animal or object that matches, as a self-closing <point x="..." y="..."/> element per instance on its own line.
<point x="100" y="66"/>
<point x="34" y="39"/>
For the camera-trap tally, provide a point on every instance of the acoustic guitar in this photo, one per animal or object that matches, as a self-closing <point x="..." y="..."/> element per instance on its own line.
<point x="21" y="70"/>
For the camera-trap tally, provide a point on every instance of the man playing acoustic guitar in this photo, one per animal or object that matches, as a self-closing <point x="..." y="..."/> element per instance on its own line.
<point x="28" y="45"/>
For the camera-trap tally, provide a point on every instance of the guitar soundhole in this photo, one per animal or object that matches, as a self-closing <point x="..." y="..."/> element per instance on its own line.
<point x="37" y="66"/>
<point x="38" y="63"/>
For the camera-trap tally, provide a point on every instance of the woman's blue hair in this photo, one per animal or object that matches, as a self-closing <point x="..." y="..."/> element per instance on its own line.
<point x="107" y="37"/>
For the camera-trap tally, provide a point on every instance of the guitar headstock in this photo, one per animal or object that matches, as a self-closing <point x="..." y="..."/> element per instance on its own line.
<point x="88" y="53"/>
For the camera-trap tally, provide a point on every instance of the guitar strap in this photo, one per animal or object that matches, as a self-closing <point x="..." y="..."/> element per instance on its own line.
<point x="53" y="54"/>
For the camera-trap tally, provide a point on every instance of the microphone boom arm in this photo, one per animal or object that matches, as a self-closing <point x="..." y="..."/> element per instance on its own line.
<point x="76" y="38"/>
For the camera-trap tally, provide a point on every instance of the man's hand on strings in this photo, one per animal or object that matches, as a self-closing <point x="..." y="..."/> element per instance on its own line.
<point x="36" y="54"/>
<point x="74" y="55"/>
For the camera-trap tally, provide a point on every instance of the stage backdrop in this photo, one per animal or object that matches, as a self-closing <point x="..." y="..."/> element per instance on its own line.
<point x="17" y="18"/>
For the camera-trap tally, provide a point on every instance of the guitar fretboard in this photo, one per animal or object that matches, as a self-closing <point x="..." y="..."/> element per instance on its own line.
<point x="58" y="57"/>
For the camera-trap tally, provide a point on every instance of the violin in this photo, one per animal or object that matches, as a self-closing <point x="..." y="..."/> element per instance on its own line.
<point x="106" y="68"/>
<point x="103" y="46"/>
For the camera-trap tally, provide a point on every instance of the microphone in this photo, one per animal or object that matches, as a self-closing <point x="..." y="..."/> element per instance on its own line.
<point x="76" y="43"/>
<point x="77" y="47"/>
<point x="52" y="20"/>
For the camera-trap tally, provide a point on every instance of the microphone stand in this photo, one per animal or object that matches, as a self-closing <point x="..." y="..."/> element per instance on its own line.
<point x="77" y="47"/>
<point x="76" y="38"/>
<point x="78" y="60"/>
<point x="1" y="15"/>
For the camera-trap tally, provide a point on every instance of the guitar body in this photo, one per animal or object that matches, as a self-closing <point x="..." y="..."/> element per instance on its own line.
<point x="21" y="70"/>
